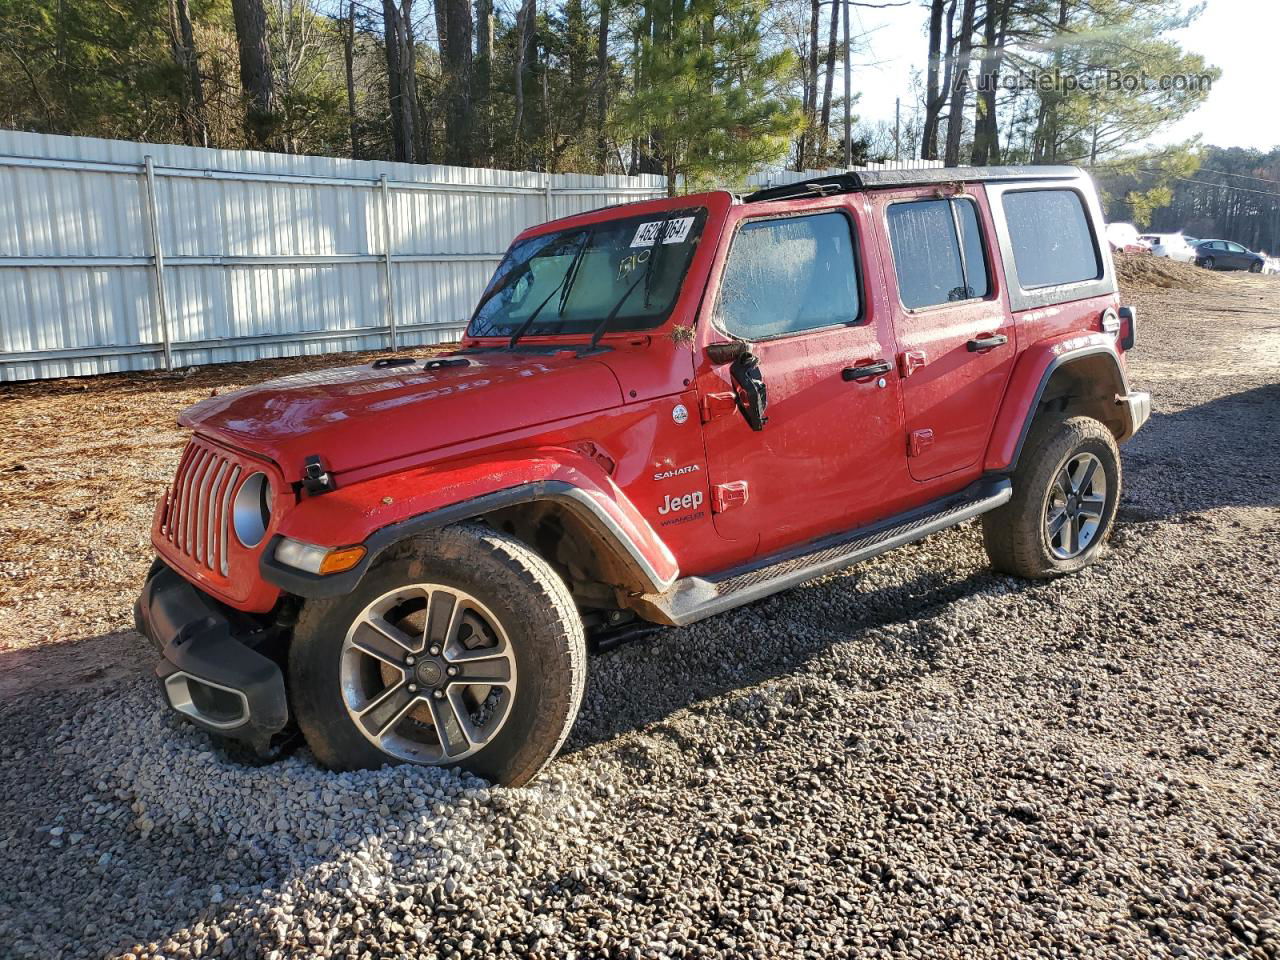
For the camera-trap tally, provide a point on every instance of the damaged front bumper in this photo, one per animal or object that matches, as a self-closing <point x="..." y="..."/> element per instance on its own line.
<point x="213" y="669"/>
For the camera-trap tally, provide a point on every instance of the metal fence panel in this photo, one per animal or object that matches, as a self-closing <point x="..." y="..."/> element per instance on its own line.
<point x="260" y="255"/>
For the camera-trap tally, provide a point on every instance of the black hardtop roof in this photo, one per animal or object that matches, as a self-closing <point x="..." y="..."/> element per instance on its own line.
<point x="884" y="179"/>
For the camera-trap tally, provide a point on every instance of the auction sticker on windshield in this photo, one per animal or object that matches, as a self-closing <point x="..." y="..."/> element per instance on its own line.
<point x="677" y="232"/>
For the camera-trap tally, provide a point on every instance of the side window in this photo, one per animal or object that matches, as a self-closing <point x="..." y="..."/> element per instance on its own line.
<point x="1235" y="247"/>
<point x="788" y="275"/>
<point x="937" y="251"/>
<point x="1051" y="238"/>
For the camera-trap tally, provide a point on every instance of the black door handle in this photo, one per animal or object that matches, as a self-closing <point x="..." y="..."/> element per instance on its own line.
<point x="987" y="342"/>
<point x="870" y="370"/>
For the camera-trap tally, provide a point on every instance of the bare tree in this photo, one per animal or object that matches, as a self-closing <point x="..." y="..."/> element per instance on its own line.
<point x="402" y="81"/>
<point x="348" y="28"/>
<point x="938" y="75"/>
<point x="483" y="81"/>
<point x="986" y="128"/>
<point x="808" y="134"/>
<point x="526" y="40"/>
<point x="602" y="87"/>
<point x="960" y="86"/>
<point x="182" y="41"/>
<point x="256" y="74"/>
<point x="833" y="37"/>
<point x="453" y="17"/>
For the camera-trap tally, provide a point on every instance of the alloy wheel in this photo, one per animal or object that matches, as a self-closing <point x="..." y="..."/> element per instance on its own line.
<point x="427" y="674"/>
<point x="1076" y="504"/>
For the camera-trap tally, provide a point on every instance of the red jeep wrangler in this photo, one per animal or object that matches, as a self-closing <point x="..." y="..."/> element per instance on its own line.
<point x="659" y="412"/>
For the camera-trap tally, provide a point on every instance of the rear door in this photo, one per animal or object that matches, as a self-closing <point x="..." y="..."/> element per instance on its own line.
<point x="796" y="285"/>
<point x="955" y="335"/>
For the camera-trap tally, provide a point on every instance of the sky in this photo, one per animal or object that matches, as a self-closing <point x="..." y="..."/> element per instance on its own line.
<point x="1240" y="36"/>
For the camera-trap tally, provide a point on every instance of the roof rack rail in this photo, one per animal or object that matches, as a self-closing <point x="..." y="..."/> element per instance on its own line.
<point x="817" y="187"/>
<point x="882" y="179"/>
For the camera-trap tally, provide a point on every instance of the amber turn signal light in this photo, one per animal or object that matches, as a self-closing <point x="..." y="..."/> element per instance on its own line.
<point x="341" y="560"/>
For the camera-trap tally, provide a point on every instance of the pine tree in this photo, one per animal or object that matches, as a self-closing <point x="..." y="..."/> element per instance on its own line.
<point x="707" y="106"/>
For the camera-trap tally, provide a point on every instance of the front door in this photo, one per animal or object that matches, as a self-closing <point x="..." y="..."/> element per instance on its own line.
<point x="955" y="334"/>
<point x="830" y="456"/>
<point x="1238" y="256"/>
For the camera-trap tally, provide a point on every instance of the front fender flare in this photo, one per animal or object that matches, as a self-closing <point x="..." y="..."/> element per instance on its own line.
<point x="379" y="513"/>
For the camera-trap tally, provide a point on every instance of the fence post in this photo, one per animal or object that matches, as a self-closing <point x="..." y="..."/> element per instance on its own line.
<point x="157" y="262"/>
<point x="385" y="192"/>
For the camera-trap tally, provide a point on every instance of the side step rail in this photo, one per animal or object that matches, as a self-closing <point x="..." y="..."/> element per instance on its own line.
<point x="694" y="598"/>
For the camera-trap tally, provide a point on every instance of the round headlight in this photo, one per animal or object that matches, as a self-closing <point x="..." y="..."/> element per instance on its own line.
<point x="251" y="511"/>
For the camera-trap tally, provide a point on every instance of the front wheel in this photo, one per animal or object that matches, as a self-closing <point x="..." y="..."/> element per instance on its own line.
<point x="1255" y="267"/>
<point x="461" y="647"/>
<point x="1065" y="491"/>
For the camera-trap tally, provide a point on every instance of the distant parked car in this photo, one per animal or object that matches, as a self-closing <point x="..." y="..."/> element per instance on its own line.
<point x="1172" y="245"/>
<point x="1123" y="237"/>
<point x="1227" y="255"/>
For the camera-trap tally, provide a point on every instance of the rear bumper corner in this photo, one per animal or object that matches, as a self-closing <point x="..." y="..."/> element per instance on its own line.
<point x="1137" y="406"/>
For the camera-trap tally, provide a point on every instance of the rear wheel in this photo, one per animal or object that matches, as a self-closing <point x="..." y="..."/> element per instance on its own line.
<point x="1065" y="491"/>
<point x="1208" y="263"/>
<point x="458" y="648"/>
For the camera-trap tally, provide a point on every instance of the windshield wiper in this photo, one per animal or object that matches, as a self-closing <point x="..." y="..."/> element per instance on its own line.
<point x="562" y="287"/>
<point x="607" y="322"/>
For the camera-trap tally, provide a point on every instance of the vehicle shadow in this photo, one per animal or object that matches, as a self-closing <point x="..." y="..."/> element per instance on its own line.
<point x="1222" y="453"/>
<point x="50" y="667"/>
<point x="773" y="638"/>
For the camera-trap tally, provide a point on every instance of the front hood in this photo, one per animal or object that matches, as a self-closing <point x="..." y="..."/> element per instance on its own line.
<point x="355" y="417"/>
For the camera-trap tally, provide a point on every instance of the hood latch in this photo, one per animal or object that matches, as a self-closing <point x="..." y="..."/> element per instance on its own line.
<point x="315" y="478"/>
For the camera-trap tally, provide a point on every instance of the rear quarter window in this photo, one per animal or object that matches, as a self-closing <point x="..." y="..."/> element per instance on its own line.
<point x="1052" y="241"/>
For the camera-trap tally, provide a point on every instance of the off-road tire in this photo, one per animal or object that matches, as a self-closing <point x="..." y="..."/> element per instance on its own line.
<point x="1014" y="534"/>
<point x="531" y="601"/>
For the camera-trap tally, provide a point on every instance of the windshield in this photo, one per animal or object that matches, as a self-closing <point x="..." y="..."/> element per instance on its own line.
<point x="570" y="281"/>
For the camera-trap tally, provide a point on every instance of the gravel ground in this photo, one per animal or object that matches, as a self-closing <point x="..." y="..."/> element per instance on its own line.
<point x="912" y="758"/>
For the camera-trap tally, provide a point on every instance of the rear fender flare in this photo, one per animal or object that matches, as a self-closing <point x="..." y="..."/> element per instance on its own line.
<point x="382" y="512"/>
<point x="1027" y="387"/>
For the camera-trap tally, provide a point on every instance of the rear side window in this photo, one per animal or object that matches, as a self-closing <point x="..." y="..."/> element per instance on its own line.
<point x="937" y="251"/>
<point x="1051" y="239"/>
<point x="788" y="275"/>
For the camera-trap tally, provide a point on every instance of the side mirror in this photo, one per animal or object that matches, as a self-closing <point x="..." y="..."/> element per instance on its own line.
<point x="727" y="351"/>
<point x="749" y="393"/>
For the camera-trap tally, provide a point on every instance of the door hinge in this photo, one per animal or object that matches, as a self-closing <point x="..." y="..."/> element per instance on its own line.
<point x="918" y="441"/>
<point x="909" y="361"/>
<point x="726" y="496"/>
<point x="717" y="405"/>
